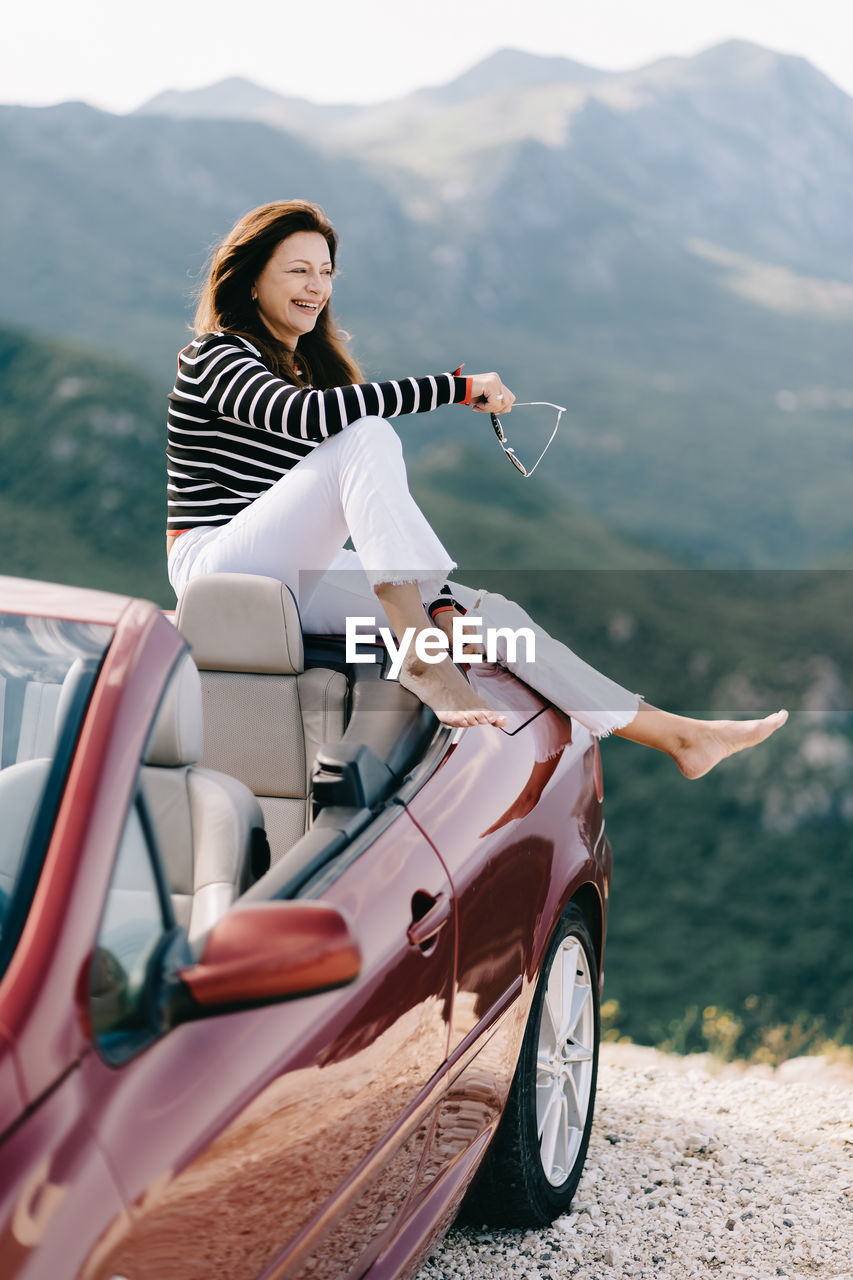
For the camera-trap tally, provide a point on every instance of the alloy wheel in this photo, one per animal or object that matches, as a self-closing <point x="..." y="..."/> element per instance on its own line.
<point x="564" y="1060"/>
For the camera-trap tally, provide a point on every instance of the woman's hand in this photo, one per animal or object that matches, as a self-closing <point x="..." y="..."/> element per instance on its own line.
<point x="489" y="395"/>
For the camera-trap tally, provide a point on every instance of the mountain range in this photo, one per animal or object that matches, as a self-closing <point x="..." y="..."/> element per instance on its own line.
<point x="667" y="252"/>
<point x="738" y="145"/>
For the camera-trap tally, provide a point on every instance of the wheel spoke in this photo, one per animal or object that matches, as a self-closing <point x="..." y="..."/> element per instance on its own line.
<point x="573" y="996"/>
<point x="544" y="1095"/>
<point x="568" y="968"/>
<point x="553" y="1002"/>
<point x="577" y="1052"/>
<point x="575" y="1119"/>
<point x="581" y="997"/>
<point x="553" y="1100"/>
<point x="560" y="1170"/>
<point x="545" y="1064"/>
<point x="549" y="1131"/>
<point x="549" y="1027"/>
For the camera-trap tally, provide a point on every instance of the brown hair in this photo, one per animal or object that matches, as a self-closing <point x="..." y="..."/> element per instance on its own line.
<point x="225" y="300"/>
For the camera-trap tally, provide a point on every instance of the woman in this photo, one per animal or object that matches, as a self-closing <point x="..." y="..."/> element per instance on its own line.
<point x="279" y="451"/>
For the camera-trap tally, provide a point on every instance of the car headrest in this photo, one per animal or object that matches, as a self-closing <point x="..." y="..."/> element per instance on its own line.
<point x="241" y="622"/>
<point x="176" y="738"/>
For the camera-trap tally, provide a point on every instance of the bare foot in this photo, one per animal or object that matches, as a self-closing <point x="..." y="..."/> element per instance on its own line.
<point x="446" y="692"/>
<point x="713" y="740"/>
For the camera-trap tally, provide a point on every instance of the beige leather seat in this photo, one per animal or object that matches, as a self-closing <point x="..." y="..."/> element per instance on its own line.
<point x="209" y="827"/>
<point x="22" y="783"/>
<point x="265" y="715"/>
<point x="21" y="787"/>
<point x="40" y="715"/>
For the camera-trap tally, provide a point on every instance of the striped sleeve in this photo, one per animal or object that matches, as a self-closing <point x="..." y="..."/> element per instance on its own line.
<point x="224" y="376"/>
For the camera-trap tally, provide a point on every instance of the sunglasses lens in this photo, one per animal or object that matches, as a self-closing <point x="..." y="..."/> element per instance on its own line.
<point x="515" y="462"/>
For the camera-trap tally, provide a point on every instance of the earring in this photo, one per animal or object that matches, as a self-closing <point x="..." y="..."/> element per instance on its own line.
<point x="254" y="296"/>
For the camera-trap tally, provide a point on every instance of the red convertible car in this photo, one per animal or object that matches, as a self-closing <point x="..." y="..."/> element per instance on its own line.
<point x="288" y="970"/>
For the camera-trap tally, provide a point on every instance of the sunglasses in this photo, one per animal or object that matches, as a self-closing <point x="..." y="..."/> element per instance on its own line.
<point x="507" y="447"/>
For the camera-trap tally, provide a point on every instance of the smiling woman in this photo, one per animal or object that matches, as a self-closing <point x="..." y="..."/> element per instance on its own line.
<point x="249" y="489"/>
<point x="271" y="280"/>
<point x="279" y="451"/>
<point x="294" y="286"/>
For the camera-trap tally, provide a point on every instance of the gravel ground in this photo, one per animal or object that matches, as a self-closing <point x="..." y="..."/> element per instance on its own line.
<point x="694" y="1170"/>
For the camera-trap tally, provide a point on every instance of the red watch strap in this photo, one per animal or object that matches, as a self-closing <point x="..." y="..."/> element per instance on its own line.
<point x="457" y="373"/>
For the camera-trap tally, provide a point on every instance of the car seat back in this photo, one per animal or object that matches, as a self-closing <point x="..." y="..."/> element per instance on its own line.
<point x="38" y="719"/>
<point x="209" y="826"/>
<point x="265" y="715"/>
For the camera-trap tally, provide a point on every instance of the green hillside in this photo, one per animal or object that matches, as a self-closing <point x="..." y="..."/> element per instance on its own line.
<point x="488" y="517"/>
<point x="732" y="894"/>
<point x="82" y="481"/>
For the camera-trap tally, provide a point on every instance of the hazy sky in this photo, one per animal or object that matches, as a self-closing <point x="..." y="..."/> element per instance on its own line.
<point x="116" y="53"/>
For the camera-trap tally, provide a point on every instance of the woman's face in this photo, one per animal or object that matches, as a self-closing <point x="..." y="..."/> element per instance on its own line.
<point x="294" y="286"/>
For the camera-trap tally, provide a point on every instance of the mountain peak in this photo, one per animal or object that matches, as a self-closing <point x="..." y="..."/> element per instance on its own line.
<point x="235" y="96"/>
<point x="513" y="69"/>
<point x="732" y="62"/>
<point x="737" y="59"/>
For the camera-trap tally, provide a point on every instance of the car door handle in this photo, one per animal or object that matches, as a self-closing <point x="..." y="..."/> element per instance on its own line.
<point x="422" y="930"/>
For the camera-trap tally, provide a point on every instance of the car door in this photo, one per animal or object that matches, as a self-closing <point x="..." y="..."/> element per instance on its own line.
<point x="498" y="841"/>
<point x="284" y="1140"/>
<point x="493" y="815"/>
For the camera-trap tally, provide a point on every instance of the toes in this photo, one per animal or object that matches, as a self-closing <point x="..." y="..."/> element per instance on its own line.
<point x="486" y="715"/>
<point x="456" y="719"/>
<point x="471" y="716"/>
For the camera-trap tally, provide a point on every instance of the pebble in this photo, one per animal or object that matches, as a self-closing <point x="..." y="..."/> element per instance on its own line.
<point x="694" y="1170"/>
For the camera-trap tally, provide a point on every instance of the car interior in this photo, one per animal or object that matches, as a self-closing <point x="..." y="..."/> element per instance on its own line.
<point x="269" y="755"/>
<point x="323" y="746"/>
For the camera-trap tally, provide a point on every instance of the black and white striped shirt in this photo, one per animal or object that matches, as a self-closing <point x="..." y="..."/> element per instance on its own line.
<point x="235" y="428"/>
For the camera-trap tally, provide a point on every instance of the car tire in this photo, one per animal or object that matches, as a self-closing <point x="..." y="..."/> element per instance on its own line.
<point x="535" y="1163"/>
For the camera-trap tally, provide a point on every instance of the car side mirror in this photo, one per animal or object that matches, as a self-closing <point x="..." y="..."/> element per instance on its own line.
<point x="267" y="951"/>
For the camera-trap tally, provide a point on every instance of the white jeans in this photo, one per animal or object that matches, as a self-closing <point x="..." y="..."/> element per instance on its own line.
<point x="354" y="485"/>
